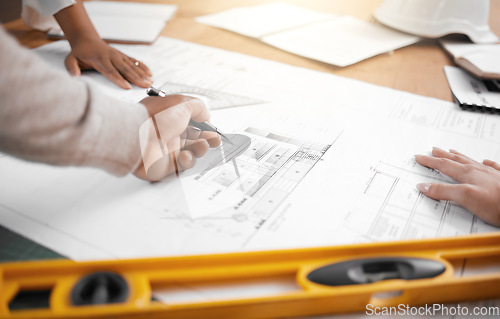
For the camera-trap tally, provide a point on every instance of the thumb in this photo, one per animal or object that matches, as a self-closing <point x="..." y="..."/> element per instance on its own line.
<point x="71" y="63"/>
<point x="173" y="121"/>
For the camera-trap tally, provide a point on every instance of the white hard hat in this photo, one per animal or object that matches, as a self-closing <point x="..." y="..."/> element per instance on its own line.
<point x="436" y="18"/>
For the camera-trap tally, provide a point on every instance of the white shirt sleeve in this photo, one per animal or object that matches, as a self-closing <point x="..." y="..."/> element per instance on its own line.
<point x="48" y="116"/>
<point x="39" y="14"/>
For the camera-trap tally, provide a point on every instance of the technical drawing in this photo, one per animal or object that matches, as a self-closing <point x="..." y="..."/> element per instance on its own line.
<point x="215" y="99"/>
<point x="391" y="208"/>
<point x="256" y="178"/>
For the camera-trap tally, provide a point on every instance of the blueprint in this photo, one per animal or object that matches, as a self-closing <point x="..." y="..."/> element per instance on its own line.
<point x="390" y="207"/>
<point x="318" y="160"/>
<point x="227" y="196"/>
<point x="240" y="185"/>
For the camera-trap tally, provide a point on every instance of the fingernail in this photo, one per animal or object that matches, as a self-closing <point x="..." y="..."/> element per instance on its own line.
<point x="127" y="85"/>
<point x="418" y="157"/>
<point x="423" y="187"/>
<point x="436" y="151"/>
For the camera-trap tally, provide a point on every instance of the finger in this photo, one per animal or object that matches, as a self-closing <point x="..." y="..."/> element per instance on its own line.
<point x="452" y="155"/>
<point x="198" y="110"/>
<point x="140" y="172"/>
<point x="459" y="193"/>
<point x="131" y="72"/>
<point x="173" y="121"/>
<point x="107" y="69"/>
<point x="71" y="64"/>
<point x="141" y="66"/>
<point x="193" y="133"/>
<point x="446" y="166"/>
<point x="464" y="157"/>
<point x="492" y="164"/>
<point x="197" y="147"/>
<point x="213" y="139"/>
<point x="185" y="160"/>
<point x="469" y="196"/>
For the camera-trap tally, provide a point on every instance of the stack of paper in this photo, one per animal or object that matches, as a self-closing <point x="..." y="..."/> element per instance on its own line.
<point x="334" y="39"/>
<point x="472" y="93"/>
<point x="479" y="59"/>
<point x="126" y="21"/>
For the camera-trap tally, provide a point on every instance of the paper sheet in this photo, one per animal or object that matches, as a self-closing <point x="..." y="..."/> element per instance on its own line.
<point x="341" y="41"/>
<point x="258" y="21"/>
<point x="483" y="56"/>
<point x="334" y="39"/>
<point x="328" y="165"/>
<point x="126" y="21"/>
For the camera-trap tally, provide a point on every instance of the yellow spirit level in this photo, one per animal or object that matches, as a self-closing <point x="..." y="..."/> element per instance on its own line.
<point x="328" y="280"/>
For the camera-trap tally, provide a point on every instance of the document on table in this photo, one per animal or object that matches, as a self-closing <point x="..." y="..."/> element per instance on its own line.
<point x="479" y="59"/>
<point x="126" y="21"/>
<point x="318" y="167"/>
<point x="334" y="39"/>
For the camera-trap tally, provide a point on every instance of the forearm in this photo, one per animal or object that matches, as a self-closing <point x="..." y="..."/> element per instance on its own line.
<point x="76" y="24"/>
<point x="47" y="116"/>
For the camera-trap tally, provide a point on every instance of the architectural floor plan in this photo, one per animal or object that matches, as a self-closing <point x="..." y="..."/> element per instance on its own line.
<point x="233" y="190"/>
<point x="391" y="208"/>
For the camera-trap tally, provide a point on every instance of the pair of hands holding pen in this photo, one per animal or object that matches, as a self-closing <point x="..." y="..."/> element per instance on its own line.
<point x="181" y="144"/>
<point x="478" y="184"/>
<point x="89" y="51"/>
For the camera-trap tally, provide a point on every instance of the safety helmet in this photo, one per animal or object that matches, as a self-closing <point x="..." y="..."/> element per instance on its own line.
<point x="436" y="18"/>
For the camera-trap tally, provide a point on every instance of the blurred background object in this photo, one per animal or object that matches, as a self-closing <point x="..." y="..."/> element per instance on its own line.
<point x="10" y="10"/>
<point x="436" y="18"/>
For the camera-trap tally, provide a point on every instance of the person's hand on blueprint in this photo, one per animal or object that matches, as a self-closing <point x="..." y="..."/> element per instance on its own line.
<point x="89" y="51"/>
<point x="181" y="145"/>
<point x="478" y="187"/>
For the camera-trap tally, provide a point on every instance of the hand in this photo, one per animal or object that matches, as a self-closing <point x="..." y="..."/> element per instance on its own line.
<point x="478" y="187"/>
<point x="113" y="64"/>
<point x="89" y="51"/>
<point x="180" y="145"/>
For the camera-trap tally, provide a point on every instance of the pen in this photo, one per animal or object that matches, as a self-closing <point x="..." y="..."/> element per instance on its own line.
<point x="203" y="126"/>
